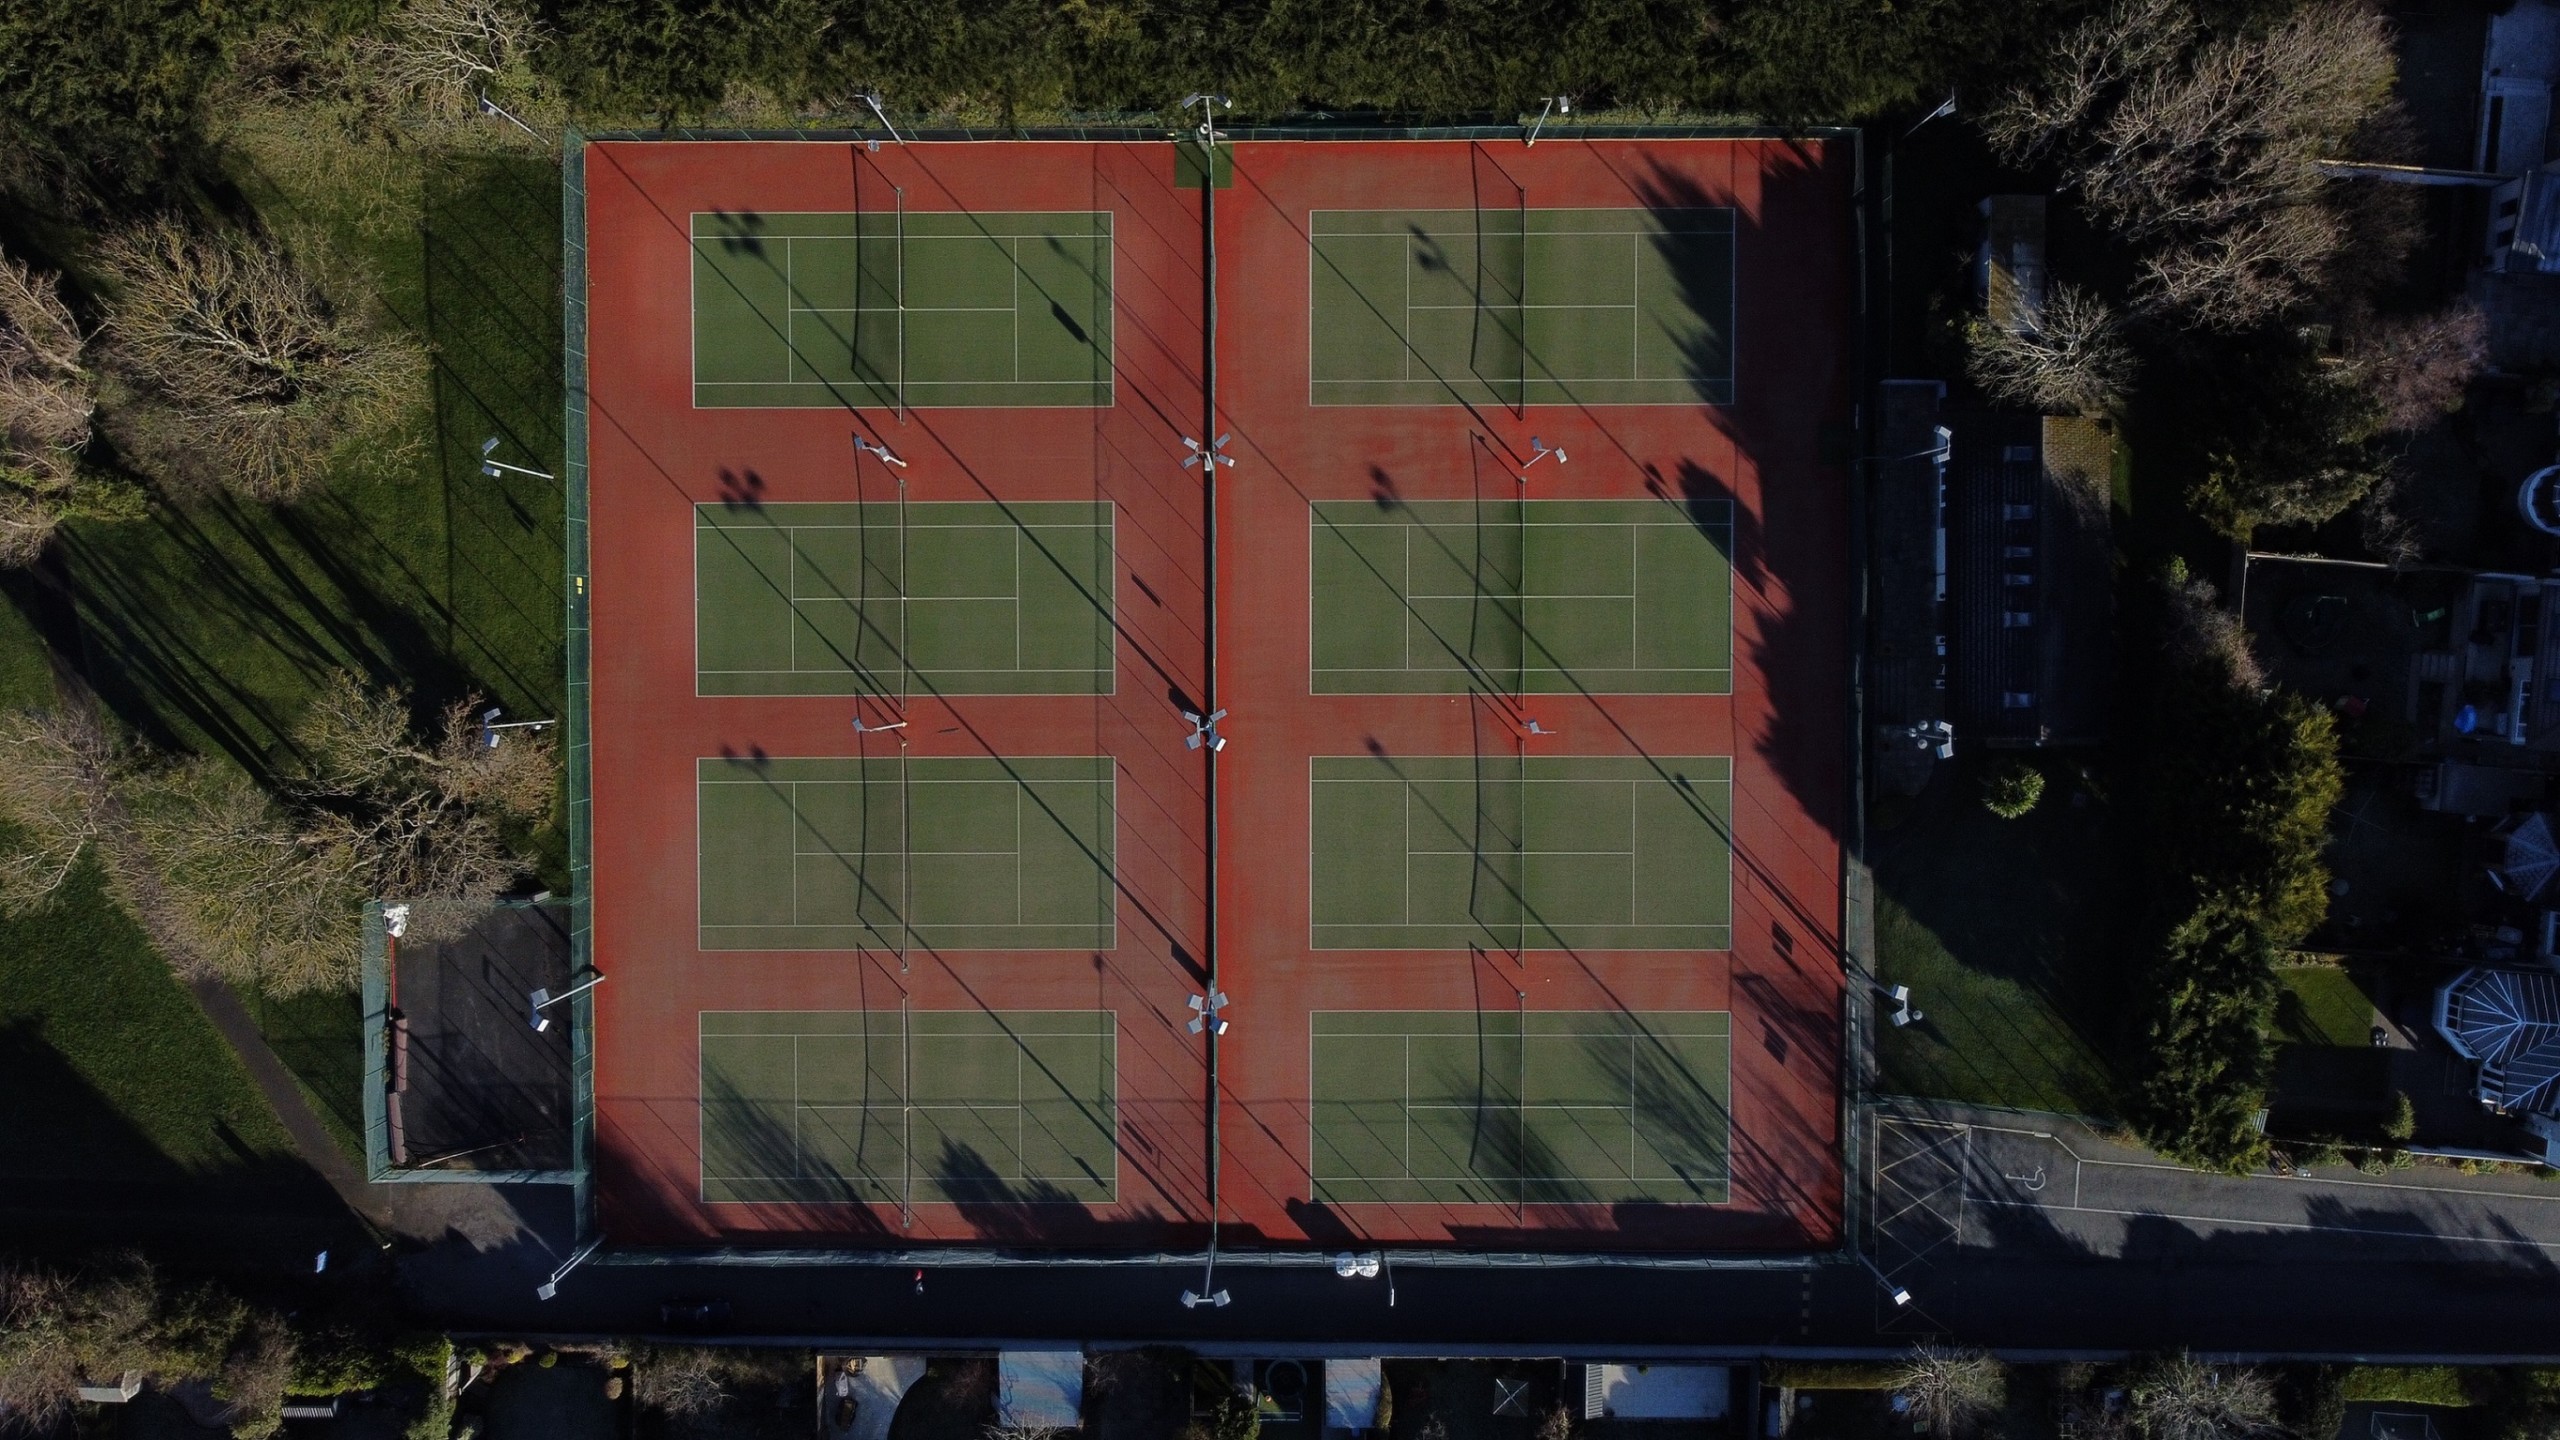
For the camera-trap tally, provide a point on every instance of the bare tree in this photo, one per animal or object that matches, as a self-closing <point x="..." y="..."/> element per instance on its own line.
<point x="46" y="393"/>
<point x="2390" y="532"/>
<point x="2072" y="360"/>
<point x="2181" y="1398"/>
<point x="1951" y="1390"/>
<point x="57" y="1328"/>
<point x="2206" y="147"/>
<point x="687" y="1382"/>
<point x="255" y="1373"/>
<point x="55" y="791"/>
<point x="2202" y="632"/>
<point x="419" y="820"/>
<point x="2417" y="368"/>
<point x="48" y="397"/>
<point x="256" y="898"/>
<point x="264" y="376"/>
<point x="445" y="53"/>
<point x="2245" y="272"/>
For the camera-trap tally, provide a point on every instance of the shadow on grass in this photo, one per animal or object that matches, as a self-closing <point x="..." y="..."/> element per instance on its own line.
<point x="123" y="1117"/>
<point x="2004" y="930"/>
<point x="208" y="626"/>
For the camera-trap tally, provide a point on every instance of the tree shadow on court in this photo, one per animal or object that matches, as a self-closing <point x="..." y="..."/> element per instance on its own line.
<point x="1034" y="1212"/>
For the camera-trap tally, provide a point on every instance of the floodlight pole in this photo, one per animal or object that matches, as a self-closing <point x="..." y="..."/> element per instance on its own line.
<point x="1555" y="104"/>
<point x="551" y="1287"/>
<point x="494" y="468"/>
<point x="490" y="725"/>
<point x="1945" y="107"/>
<point x="1211" y="741"/>
<point x="1208" y="1294"/>
<point x="492" y="107"/>
<point x="1900" y="1295"/>
<point x="543" y="999"/>
<point x="872" y="99"/>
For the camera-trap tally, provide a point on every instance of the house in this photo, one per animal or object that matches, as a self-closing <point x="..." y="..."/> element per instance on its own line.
<point x="2508" y="1022"/>
<point x="2482" y="694"/>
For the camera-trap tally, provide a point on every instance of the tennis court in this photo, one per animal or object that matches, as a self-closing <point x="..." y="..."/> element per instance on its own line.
<point x="1506" y="305"/>
<point x="940" y="854"/>
<point x="885" y="598"/>
<point x="1521" y="597"/>
<point x="910" y="1107"/>
<point x="902" y="309"/>
<point x="1545" y="1108"/>
<point x="1505" y="852"/>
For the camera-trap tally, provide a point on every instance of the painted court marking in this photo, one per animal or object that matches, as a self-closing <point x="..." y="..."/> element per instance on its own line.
<point x="1515" y="854"/>
<point x="880" y="599"/>
<point x="1516" y="306"/>
<point x="909" y="1107"/>
<point x="1498" y="1107"/>
<point x="2018" y="1168"/>
<point x="1519" y="598"/>
<point x="823" y="853"/>
<point x="914" y="309"/>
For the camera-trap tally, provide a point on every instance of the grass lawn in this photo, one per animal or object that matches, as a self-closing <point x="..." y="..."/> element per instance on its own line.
<point x="2002" y="929"/>
<point x="211" y="623"/>
<point x="319" y="1037"/>
<point x="2323" y="1005"/>
<point x="107" y="1066"/>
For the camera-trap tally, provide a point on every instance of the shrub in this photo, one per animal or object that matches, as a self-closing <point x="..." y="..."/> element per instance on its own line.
<point x="2415" y="1385"/>
<point x="2402" y="1122"/>
<point x="2013" y="789"/>
<point x="2312" y="1401"/>
<point x="1832" y="1374"/>
<point x="2210" y="999"/>
<point x="428" y="1357"/>
<point x="1951" y="1391"/>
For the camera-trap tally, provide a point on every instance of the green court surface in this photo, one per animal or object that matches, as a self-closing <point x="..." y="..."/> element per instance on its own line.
<point x="840" y="599"/>
<point x="972" y="854"/>
<point x="1511" y="306"/>
<point x="1593" y="1107"/>
<point x="1521" y="597"/>
<point x="903" y="310"/>
<point x="891" y="1107"/>
<point x="1506" y="853"/>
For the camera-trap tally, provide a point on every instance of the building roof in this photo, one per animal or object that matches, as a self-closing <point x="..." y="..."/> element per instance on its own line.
<point x="2509" y="1021"/>
<point x="2527" y="857"/>
<point x="2031" y="579"/>
<point x="1908" y="666"/>
<point x="2009" y="265"/>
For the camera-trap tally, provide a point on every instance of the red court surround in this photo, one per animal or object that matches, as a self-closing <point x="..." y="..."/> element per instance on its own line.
<point x="652" y="456"/>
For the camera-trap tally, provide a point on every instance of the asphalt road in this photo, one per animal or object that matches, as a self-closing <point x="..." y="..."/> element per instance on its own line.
<point x="2019" y="1234"/>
